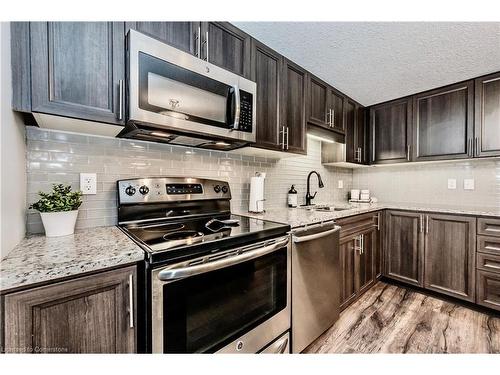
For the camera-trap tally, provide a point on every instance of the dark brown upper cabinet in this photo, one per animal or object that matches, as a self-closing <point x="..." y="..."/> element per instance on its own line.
<point x="450" y="250"/>
<point x="337" y="102"/>
<point x="355" y="133"/>
<point x="318" y="105"/>
<point x="181" y="35"/>
<point x="390" y="132"/>
<point x="404" y="247"/>
<point x="78" y="69"/>
<point x="293" y="108"/>
<point x="226" y="46"/>
<point x="443" y="123"/>
<point x="267" y="73"/>
<point x="487" y="112"/>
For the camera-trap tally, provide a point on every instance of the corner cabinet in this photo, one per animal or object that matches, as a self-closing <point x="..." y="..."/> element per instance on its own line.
<point x="443" y="123"/>
<point x="91" y="314"/>
<point x="78" y="69"/>
<point x="390" y="132"/>
<point x="487" y="122"/>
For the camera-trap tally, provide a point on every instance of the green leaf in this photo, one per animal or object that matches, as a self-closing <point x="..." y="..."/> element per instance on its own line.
<point x="60" y="199"/>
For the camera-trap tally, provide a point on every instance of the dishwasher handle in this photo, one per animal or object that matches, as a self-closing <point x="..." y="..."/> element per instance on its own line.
<point x="299" y="239"/>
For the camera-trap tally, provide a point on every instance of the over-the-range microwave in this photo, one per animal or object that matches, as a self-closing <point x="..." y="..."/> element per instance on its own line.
<point x="174" y="97"/>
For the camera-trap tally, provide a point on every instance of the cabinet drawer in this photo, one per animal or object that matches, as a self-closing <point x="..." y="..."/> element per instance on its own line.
<point x="488" y="289"/>
<point x="488" y="262"/>
<point x="488" y="245"/>
<point x="489" y="227"/>
<point x="352" y="225"/>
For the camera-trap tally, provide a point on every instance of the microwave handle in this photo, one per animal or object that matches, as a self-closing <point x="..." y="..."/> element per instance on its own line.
<point x="236" y="124"/>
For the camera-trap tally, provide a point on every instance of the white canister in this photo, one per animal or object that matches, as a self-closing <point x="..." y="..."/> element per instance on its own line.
<point x="59" y="224"/>
<point x="355" y="194"/>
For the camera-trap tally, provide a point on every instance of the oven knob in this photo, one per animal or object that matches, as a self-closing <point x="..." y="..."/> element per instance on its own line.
<point x="217" y="188"/>
<point x="130" y="190"/>
<point x="143" y="190"/>
<point x="239" y="345"/>
<point x="225" y="189"/>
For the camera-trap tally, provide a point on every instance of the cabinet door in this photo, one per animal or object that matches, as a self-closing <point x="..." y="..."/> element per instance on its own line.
<point x="361" y="135"/>
<point x="318" y="111"/>
<point x="488" y="289"/>
<point x="181" y="35"/>
<point x="292" y="103"/>
<point x="86" y="315"/>
<point x="352" y="152"/>
<point x="450" y="255"/>
<point x="226" y="46"/>
<point x="443" y="123"/>
<point x="76" y="69"/>
<point x="266" y="72"/>
<point x="487" y="102"/>
<point x="365" y="267"/>
<point x="390" y="132"/>
<point x="337" y="103"/>
<point x="404" y="247"/>
<point x="347" y="266"/>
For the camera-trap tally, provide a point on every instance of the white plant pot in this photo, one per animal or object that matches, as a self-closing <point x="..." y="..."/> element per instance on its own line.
<point x="58" y="224"/>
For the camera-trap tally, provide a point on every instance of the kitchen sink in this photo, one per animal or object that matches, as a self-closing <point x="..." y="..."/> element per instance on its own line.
<point x="325" y="208"/>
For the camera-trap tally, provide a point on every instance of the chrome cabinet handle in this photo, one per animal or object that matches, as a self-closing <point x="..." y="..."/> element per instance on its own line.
<point x="197" y="37"/>
<point x="182" y="270"/>
<point x="120" y="99"/>
<point x="333" y="118"/>
<point x="378" y="221"/>
<point x="287" y="138"/>
<point x="408" y="153"/>
<point x="476" y="146"/>
<point x="206" y="44"/>
<point x="358" y="244"/>
<point x="362" y="244"/>
<point x="421" y="223"/>
<point x="131" y="300"/>
<point x="283" y="138"/>
<point x="469" y="148"/>
<point x="426" y="224"/>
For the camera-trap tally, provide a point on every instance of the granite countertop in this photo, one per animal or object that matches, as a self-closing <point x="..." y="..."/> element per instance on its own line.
<point x="297" y="217"/>
<point x="39" y="259"/>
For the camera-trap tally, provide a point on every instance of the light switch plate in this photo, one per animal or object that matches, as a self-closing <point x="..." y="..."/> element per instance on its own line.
<point x="469" y="184"/>
<point x="341" y="184"/>
<point x="88" y="183"/>
<point x="452" y="183"/>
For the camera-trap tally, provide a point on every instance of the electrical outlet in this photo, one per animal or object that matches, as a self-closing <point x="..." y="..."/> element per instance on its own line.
<point x="341" y="184"/>
<point x="469" y="184"/>
<point x="452" y="183"/>
<point x="88" y="183"/>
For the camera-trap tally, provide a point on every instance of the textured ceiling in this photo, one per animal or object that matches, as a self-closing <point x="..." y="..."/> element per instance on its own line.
<point x="374" y="62"/>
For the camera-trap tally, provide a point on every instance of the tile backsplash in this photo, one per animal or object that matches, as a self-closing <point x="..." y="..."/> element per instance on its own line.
<point x="58" y="157"/>
<point x="428" y="183"/>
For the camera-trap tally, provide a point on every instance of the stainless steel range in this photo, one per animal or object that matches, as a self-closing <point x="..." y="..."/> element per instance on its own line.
<point x="215" y="282"/>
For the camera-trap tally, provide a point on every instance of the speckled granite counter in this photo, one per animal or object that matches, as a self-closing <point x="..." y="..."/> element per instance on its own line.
<point x="39" y="259"/>
<point x="297" y="217"/>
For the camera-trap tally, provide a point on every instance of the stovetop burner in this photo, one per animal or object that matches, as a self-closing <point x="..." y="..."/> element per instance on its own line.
<point x="182" y="235"/>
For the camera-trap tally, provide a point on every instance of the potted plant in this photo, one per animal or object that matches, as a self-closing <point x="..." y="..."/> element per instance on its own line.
<point x="58" y="210"/>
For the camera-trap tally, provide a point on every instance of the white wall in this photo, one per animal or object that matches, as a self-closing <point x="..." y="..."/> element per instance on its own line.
<point x="12" y="156"/>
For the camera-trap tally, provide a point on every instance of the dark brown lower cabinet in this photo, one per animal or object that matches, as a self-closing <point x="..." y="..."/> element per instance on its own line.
<point x="359" y="245"/>
<point x="404" y="247"/>
<point x="450" y="246"/>
<point x="92" y="314"/>
<point x="488" y="289"/>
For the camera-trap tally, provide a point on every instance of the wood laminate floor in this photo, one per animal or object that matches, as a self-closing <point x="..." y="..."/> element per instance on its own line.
<point x="390" y="319"/>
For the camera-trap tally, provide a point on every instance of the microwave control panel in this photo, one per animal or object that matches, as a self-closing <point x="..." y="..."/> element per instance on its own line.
<point x="246" y="111"/>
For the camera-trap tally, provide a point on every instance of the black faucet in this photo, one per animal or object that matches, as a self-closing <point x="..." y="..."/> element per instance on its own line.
<point x="310" y="197"/>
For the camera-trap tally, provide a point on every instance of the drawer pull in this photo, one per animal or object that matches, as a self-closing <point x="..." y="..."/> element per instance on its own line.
<point x="489" y="264"/>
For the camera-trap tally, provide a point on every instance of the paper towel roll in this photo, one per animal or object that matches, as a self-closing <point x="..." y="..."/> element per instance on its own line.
<point x="256" y="202"/>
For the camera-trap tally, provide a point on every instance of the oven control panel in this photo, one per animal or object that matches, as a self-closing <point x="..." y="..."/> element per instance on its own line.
<point x="167" y="189"/>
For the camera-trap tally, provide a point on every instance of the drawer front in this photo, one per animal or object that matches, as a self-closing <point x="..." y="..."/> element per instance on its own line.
<point x="488" y="227"/>
<point x="488" y="289"/>
<point x="355" y="224"/>
<point x="488" y="245"/>
<point x="488" y="262"/>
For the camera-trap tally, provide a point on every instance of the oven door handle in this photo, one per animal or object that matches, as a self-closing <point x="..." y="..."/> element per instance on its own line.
<point x="176" y="272"/>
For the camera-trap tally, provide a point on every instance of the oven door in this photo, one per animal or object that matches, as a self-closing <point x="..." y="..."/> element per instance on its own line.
<point x="181" y="94"/>
<point x="236" y="301"/>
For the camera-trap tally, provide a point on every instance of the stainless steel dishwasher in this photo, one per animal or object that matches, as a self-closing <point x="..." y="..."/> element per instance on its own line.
<point x="315" y="282"/>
